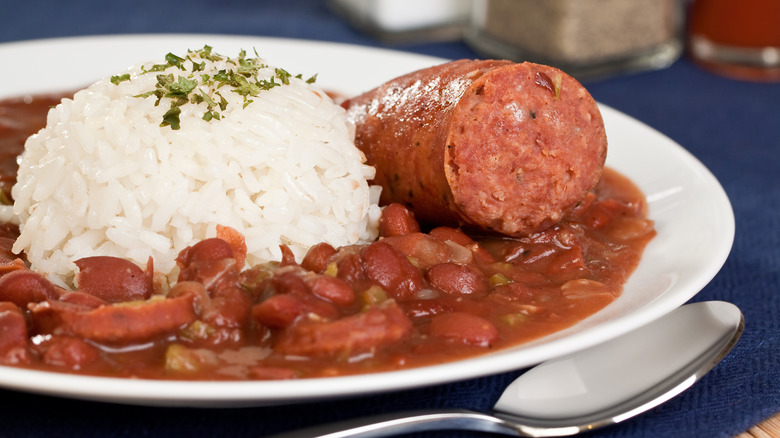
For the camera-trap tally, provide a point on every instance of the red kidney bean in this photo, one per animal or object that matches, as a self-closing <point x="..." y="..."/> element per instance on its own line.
<point x="318" y="256"/>
<point x="24" y="286"/>
<point x="228" y="306"/>
<point x="113" y="279"/>
<point x="392" y="270"/>
<point x="278" y="311"/>
<point x="210" y="273"/>
<point x="200" y="296"/>
<point x="225" y="310"/>
<point x="289" y="282"/>
<point x="333" y="289"/>
<point x="454" y="279"/>
<point x="13" y="335"/>
<point x="205" y="250"/>
<point x="397" y="220"/>
<point x="454" y="234"/>
<point x="464" y="327"/>
<point x="69" y="352"/>
<point x="457" y="236"/>
<point x="316" y="306"/>
<point x="350" y="269"/>
<point x="425" y="250"/>
<point x="292" y="281"/>
<point x="255" y="280"/>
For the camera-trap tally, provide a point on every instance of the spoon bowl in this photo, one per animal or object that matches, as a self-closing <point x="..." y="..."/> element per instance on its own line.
<point x="591" y="388"/>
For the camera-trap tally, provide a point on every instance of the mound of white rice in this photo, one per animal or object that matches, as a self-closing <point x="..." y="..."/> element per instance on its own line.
<point x="105" y="178"/>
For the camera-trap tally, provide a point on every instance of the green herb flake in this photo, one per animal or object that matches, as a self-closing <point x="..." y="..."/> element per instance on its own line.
<point x="283" y="76"/>
<point x="181" y="88"/>
<point x="120" y="78"/>
<point x="171" y="118"/>
<point x="174" y="60"/>
<point x="223" y="103"/>
<point x="202" y="88"/>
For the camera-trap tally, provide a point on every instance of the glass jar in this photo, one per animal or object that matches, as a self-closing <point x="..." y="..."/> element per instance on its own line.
<point x="585" y="38"/>
<point x="406" y="21"/>
<point x="736" y="38"/>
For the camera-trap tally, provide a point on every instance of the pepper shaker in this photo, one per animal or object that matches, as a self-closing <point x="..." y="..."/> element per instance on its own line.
<point x="585" y="38"/>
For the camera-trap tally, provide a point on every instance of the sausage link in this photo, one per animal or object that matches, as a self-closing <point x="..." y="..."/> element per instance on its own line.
<point x="489" y="144"/>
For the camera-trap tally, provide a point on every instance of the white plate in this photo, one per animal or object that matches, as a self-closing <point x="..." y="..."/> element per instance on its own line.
<point x="692" y="214"/>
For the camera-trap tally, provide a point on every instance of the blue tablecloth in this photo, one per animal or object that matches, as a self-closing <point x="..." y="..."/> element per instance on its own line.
<point x="732" y="127"/>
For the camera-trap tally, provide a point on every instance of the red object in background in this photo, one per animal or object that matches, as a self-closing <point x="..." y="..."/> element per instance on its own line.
<point x="736" y="38"/>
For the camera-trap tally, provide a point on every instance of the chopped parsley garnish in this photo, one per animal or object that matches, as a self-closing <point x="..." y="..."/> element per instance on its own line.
<point x="121" y="78"/>
<point x="193" y="86"/>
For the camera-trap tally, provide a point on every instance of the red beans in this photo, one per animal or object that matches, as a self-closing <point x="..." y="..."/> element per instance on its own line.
<point x="210" y="273"/>
<point x="425" y="250"/>
<point x="392" y="270"/>
<point x="23" y="286"/>
<point x="208" y="249"/>
<point x="464" y="327"/>
<point x="279" y="311"/>
<point x="333" y="289"/>
<point x="294" y="296"/>
<point x="350" y="269"/>
<point x="316" y="259"/>
<point x="13" y="335"/>
<point x="289" y="282"/>
<point x="69" y="352"/>
<point x="454" y="279"/>
<point x="453" y="234"/>
<point x="456" y="235"/>
<point x="397" y="220"/>
<point x="113" y="279"/>
<point x="228" y="307"/>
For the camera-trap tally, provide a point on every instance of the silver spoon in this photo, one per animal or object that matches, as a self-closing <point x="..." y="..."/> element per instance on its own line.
<point x="589" y="389"/>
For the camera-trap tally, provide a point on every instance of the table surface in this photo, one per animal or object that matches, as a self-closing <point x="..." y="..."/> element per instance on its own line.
<point x="731" y="126"/>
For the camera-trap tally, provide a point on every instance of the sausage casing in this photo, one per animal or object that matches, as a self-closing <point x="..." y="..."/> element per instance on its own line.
<point x="498" y="145"/>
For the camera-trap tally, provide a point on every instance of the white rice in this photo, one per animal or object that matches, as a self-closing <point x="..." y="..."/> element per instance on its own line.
<point x="103" y="178"/>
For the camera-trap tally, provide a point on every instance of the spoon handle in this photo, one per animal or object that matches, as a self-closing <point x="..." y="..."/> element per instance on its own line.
<point x="407" y="422"/>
